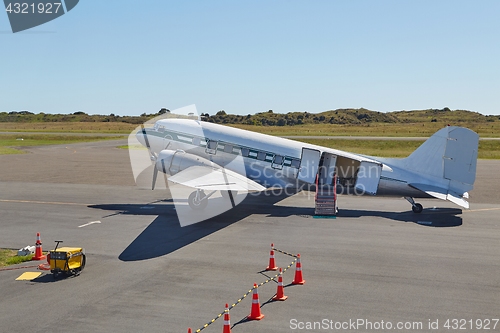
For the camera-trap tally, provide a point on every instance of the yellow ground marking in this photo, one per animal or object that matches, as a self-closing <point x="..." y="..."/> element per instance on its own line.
<point x="28" y="276"/>
<point x="45" y="202"/>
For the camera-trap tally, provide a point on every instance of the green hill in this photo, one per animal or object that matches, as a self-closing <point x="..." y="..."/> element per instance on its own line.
<point x="351" y="117"/>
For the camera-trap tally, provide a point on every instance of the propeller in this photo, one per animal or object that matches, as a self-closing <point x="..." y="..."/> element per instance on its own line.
<point x="152" y="156"/>
<point x="155" y="174"/>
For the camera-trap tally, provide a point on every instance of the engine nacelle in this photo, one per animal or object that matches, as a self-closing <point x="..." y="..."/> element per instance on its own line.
<point x="172" y="162"/>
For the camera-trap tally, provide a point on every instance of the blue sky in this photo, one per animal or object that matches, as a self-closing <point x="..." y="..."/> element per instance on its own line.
<point x="128" y="57"/>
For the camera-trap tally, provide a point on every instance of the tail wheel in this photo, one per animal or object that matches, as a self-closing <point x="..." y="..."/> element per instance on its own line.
<point x="417" y="208"/>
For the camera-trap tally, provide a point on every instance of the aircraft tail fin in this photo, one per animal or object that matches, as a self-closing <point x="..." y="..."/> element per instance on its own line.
<point x="451" y="153"/>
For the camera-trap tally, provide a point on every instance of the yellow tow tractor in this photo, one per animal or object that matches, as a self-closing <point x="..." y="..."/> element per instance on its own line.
<point x="66" y="260"/>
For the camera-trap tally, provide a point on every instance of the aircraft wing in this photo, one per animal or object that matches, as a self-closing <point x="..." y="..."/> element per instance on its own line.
<point x="215" y="179"/>
<point x="443" y="194"/>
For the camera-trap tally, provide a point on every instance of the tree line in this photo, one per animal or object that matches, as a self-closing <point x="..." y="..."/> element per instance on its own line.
<point x="269" y="118"/>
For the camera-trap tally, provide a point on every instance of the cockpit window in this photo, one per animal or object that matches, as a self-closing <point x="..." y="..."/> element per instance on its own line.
<point x="159" y="128"/>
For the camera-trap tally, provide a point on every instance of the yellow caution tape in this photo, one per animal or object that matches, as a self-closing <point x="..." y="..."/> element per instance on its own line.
<point x="250" y="291"/>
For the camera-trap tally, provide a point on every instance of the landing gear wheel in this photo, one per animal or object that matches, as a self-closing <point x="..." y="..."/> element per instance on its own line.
<point x="197" y="200"/>
<point x="417" y="208"/>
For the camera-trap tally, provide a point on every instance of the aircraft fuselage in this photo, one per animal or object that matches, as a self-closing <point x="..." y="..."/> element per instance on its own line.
<point x="278" y="162"/>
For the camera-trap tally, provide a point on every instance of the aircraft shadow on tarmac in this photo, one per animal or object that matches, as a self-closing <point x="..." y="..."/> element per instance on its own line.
<point x="165" y="235"/>
<point x="433" y="217"/>
<point x="439" y="217"/>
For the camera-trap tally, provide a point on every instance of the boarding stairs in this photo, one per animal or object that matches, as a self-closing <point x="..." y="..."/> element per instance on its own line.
<point x="326" y="198"/>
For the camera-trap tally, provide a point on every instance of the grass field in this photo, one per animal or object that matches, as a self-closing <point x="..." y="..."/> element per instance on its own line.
<point x="485" y="129"/>
<point x="9" y="257"/>
<point x="396" y="148"/>
<point x="384" y="148"/>
<point x="69" y="127"/>
<point x="8" y="142"/>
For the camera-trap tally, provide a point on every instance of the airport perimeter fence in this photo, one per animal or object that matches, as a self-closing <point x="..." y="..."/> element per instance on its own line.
<point x="251" y="290"/>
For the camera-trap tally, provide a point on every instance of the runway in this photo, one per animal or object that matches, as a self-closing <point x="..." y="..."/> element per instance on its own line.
<point x="377" y="261"/>
<point x="390" y="138"/>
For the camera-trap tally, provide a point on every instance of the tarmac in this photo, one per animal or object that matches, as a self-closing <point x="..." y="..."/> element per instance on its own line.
<point x="377" y="262"/>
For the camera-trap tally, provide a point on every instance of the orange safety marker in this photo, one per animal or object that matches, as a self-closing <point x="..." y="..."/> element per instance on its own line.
<point x="255" y="314"/>
<point x="227" y="322"/>
<point x="298" y="273"/>
<point x="280" y="293"/>
<point x="38" y="251"/>
<point x="272" y="264"/>
<point x="189" y="330"/>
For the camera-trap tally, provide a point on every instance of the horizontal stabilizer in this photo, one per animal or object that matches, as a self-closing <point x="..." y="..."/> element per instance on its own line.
<point x="220" y="179"/>
<point x="443" y="194"/>
<point x="456" y="199"/>
<point x="433" y="191"/>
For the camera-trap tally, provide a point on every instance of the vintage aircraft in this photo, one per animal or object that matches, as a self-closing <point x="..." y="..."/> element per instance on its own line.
<point x="210" y="158"/>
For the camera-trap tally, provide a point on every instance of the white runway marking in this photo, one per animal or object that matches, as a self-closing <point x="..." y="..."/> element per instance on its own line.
<point x="480" y="210"/>
<point x="86" y="224"/>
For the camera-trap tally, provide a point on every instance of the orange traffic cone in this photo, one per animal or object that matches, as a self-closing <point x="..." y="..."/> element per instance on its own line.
<point x="38" y="251"/>
<point x="255" y="313"/>
<point x="189" y="330"/>
<point x="280" y="293"/>
<point x="298" y="273"/>
<point x="227" y="322"/>
<point x="272" y="264"/>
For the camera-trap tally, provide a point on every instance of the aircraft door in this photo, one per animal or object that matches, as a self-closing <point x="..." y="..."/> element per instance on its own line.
<point x="327" y="169"/>
<point x="309" y="164"/>
<point x="368" y="178"/>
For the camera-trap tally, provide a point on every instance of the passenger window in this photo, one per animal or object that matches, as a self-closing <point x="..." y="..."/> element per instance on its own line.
<point x="261" y="156"/>
<point x="211" y="147"/>
<point x="245" y="152"/>
<point x="228" y="149"/>
<point x="278" y="162"/>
